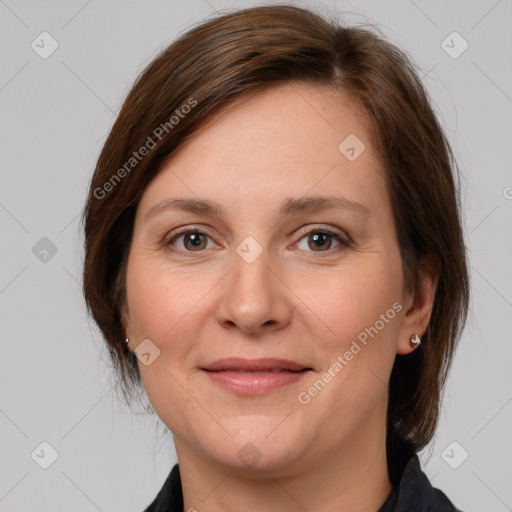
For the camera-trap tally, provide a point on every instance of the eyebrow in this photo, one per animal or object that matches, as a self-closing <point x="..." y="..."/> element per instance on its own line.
<point x="290" y="206"/>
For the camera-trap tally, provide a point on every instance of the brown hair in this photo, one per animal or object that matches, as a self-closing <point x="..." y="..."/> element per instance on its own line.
<point x="233" y="56"/>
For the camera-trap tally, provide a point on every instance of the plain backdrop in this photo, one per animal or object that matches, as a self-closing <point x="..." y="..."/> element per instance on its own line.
<point x="56" y="386"/>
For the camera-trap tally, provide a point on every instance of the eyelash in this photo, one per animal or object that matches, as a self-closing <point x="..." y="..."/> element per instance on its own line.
<point x="344" y="242"/>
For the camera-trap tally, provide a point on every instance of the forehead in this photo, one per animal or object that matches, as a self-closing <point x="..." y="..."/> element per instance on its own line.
<point x="286" y="115"/>
<point x="292" y="138"/>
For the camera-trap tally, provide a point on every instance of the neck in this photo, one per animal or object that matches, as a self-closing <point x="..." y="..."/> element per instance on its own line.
<point x="350" y="478"/>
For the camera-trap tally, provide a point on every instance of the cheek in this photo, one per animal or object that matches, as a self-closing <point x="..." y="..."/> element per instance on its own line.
<point x="350" y="300"/>
<point x="361" y="309"/>
<point x="157" y="297"/>
<point x="164" y="308"/>
<point x="168" y="306"/>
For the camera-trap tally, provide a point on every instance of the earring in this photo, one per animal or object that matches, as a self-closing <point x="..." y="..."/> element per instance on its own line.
<point x="126" y="340"/>
<point x="415" y="340"/>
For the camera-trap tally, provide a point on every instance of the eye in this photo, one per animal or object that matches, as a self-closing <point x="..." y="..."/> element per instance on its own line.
<point x="320" y="239"/>
<point x="317" y="239"/>
<point x="192" y="240"/>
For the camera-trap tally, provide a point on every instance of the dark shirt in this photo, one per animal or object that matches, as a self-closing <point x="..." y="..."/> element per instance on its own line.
<point x="412" y="491"/>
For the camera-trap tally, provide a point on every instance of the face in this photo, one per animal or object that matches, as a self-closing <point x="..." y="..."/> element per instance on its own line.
<point x="282" y="246"/>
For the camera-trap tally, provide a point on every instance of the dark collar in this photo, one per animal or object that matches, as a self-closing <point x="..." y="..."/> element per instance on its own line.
<point x="415" y="493"/>
<point x="412" y="491"/>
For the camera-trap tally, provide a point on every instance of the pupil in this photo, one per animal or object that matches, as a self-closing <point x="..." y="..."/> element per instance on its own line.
<point x="194" y="239"/>
<point x="320" y="237"/>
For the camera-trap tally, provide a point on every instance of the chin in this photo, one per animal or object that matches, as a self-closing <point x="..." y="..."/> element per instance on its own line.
<point x="259" y="444"/>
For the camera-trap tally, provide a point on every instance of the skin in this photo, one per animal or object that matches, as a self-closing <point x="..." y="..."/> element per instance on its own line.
<point x="295" y="301"/>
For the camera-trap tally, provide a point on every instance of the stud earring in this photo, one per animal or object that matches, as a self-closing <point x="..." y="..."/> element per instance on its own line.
<point x="415" y="340"/>
<point x="126" y="340"/>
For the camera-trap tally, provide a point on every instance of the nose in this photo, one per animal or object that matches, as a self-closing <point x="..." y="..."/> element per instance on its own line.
<point x="254" y="297"/>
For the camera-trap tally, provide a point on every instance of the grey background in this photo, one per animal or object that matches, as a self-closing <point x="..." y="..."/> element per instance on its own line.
<point x="55" y="114"/>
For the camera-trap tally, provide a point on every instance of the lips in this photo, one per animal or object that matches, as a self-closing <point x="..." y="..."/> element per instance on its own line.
<point x="254" y="376"/>
<point x="255" y="365"/>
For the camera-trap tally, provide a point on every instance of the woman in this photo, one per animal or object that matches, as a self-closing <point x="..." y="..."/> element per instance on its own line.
<point x="274" y="230"/>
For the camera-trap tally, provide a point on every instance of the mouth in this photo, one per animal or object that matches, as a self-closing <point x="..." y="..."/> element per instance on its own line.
<point x="254" y="376"/>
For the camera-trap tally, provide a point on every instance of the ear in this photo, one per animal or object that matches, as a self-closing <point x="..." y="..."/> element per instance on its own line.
<point x="418" y="305"/>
